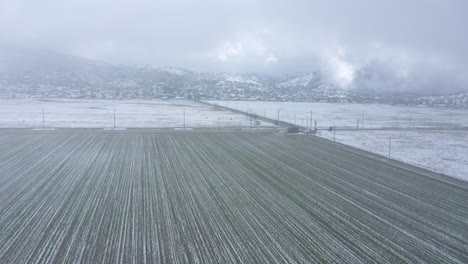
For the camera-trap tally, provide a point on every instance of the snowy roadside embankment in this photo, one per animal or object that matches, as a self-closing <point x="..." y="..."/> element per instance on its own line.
<point x="442" y="151"/>
<point x="427" y="137"/>
<point x="354" y="115"/>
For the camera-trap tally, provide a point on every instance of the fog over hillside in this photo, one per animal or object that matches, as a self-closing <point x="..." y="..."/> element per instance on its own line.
<point x="414" y="47"/>
<point x="26" y="73"/>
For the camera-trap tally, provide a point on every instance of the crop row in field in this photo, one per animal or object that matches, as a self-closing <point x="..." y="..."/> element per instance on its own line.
<point x="145" y="197"/>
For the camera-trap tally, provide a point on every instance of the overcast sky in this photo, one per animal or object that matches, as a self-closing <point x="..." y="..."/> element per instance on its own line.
<point x="425" y="41"/>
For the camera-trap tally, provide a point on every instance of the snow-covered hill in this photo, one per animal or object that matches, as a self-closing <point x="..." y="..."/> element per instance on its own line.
<point x="47" y="74"/>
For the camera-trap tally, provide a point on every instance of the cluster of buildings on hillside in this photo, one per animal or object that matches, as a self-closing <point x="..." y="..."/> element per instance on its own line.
<point x="206" y="92"/>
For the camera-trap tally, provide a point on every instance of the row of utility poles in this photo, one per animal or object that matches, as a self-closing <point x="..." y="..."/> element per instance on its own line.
<point x="310" y="122"/>
<point x="359" y="121"/>
<point x="359" y="124"/>
<point x="43" y="117"/>
<point x="308" y="125"/>
<point x="114" y="118"/>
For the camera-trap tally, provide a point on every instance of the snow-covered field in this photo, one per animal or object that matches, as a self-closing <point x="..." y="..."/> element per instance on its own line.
<point x="442" y="151"/>
<point x="351" y="115"/>
<point x="128" y="113"/>
<point x="72" y="196"/>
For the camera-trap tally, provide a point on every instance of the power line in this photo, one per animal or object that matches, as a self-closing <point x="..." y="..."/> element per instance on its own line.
<point x="410" y="120"/>
<point x="362" y="122"/>
<point x="389" y="146"/>
<point x="278" y="117"/>
<point x="311" y="118"/>
<point x="334" y="132"/>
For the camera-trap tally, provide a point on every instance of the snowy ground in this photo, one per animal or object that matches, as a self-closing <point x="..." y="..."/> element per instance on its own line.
<point x="129" y="113"/>
<point x="351" y="115"/>
<point x="159" y="197"/>
<point x="442" y="151"/>
<point x="437" y="150"/>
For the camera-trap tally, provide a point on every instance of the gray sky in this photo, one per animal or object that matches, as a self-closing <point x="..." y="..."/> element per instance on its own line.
<point x="424" y="41"/>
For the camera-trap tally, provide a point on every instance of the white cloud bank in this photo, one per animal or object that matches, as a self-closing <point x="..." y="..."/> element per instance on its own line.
<point x="412" y="45"/>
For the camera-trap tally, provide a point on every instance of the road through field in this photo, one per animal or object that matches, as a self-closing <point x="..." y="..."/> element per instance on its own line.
<point x="209" y="197"/>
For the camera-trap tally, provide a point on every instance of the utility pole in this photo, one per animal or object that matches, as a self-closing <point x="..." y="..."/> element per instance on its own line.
<point x="114" y="117"/>
<point x="389" y="146"/>
<point x="315" y="125"/>
<point x="311" y="119"/>
<point x="43" y="118"/>
<point x="278" y="117"/>
<point x="410" y="120"/>
<point x="362" y="122"/>
<point x="334" y="132"/>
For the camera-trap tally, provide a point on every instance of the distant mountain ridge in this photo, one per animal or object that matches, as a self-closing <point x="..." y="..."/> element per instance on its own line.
<point x="47" y="74"/>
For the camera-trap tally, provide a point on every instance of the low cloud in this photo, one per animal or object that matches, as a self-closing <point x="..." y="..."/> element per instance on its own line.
<point x="389" y="45"/>
<point x="250" y="50"/>
<point x="337" y="68"/>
